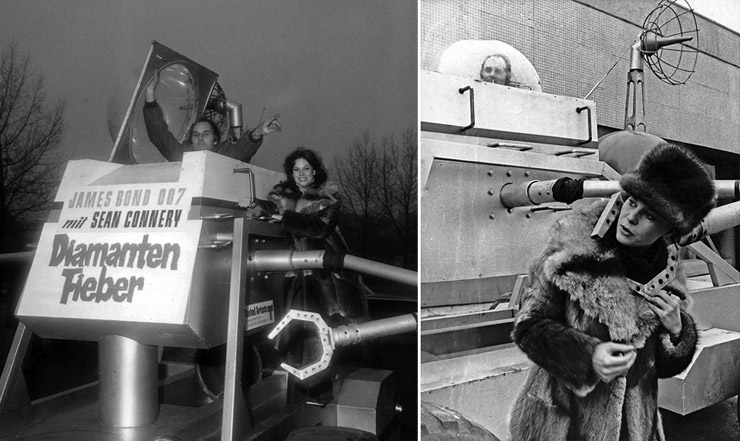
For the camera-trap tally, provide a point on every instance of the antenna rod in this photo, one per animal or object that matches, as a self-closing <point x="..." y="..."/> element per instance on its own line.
<point x="652" y="42"/>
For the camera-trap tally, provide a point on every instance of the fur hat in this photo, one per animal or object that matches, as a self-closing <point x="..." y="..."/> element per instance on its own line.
<point x="675" y="183"/>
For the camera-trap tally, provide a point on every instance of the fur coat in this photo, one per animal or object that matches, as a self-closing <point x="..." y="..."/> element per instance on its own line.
<point x="310" y="221"/>
<point x="578" y="298"/>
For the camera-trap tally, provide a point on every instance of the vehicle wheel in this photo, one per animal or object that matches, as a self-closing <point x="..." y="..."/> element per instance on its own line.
<point x="439" y="423"/>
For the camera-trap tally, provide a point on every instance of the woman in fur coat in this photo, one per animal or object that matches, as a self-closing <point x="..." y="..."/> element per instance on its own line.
<point x="605" y="315"/>
<point x="307" y="205"/>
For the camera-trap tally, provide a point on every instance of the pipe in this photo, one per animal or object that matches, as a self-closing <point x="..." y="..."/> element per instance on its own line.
<point x="388" y="272"/>
<point x="719" y="219"/>
<point x="540" y="192"/>
<point x="288" y="260"/>
<point x="353" y="333"/>
<point x="17" y="257"/>
<point x="235" y="117"/>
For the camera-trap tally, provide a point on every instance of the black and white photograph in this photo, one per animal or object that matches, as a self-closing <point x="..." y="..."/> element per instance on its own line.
<point x="325" y="220"/>
<point x="578" y="167"/>
<point x="209" y="220"/>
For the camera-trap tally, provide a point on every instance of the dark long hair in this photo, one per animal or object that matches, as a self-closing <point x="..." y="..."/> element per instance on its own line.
<point x="312" y="158"/>
<point x="214" y="127"/>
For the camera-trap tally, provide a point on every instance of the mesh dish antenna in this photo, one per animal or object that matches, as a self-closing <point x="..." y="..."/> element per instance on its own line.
<point x="666" y="32"/>
<point x="669" y="43"/>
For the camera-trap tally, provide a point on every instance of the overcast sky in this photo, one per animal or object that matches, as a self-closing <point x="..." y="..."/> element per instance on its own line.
<point x="724" y="12"/>
<point x="331" y="68"/>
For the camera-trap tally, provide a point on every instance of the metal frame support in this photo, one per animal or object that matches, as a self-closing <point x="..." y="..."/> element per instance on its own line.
<point x="12" y="373"/>
<point x="236" y="421"/>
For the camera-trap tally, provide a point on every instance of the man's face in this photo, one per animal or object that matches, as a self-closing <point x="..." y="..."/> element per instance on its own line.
<point x="202" y="136"/>
<point x="639" y="226"/>
<point x="494" y="71"/>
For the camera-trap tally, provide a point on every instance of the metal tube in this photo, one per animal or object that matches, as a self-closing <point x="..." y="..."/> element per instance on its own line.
<point x="517" y="195"/>
<point x="540" y="192"/>
<point x="17" y="257"/>
<point x="723" y="218"/>
<point x="129" y="396"/>
<point x="286" y="260"/>
<point x="388" y="272"/>
<point x="727" y="189"/>
<point x="354" y="333"/>
<point x="235" y="116"/>
<point x="600" y="189"/>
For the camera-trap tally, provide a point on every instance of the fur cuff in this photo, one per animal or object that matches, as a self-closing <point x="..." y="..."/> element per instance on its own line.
<point x="671" y="359"/>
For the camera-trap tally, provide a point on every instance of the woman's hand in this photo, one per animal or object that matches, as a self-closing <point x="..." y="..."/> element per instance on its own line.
<point x="611" y="360"/>
<point x="246" y="202"/>
<point x="667" y="307"/>
<point x="253" y="211"/>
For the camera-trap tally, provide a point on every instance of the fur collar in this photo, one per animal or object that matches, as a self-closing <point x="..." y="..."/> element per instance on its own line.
<point x="591" y="272"/>
<point x="310" y="201"/>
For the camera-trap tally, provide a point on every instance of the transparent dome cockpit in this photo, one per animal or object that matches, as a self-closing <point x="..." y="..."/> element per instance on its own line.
<point x="177" y="96"/>
<point x="479" y="59"/>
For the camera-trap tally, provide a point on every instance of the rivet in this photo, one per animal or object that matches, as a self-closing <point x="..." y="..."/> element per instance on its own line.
<point x="491" y="216"/>
<point x="490" y="172"/>
<point x="508" y="173"/>
<point x="491" y="191"/>
<point x="526" y="173"/>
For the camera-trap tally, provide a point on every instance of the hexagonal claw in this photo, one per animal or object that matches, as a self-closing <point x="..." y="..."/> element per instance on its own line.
<point x="324" y="333"/>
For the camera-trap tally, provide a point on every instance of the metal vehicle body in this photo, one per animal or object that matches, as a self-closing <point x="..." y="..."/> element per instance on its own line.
<point x="481" y="142"/>
<point x="156" y="264"/>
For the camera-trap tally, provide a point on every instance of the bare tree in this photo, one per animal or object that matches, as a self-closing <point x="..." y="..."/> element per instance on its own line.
<point x="397" y="191"/>
<point x="30" y="134"/>
<point x="378" y="182"/>
<point x="356" y="175"/>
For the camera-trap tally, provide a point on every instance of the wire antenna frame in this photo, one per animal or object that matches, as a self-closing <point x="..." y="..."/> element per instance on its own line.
<point x="671" y="19"/>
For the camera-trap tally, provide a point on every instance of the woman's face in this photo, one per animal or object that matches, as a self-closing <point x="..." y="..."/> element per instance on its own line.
<point x="303" y="173"/>
<point x="639" y="226"/>
<point x="202" y="136"/>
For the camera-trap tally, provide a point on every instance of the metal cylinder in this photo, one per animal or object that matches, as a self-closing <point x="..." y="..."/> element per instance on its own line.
<point x="287" y="260"/>
<point x="354" y="333"/>
<point x="516" y="195"/>
<point x="128" y="382"/>
<point x="600" y="189"/>
<point x="388" y="272"/>
<point x="723" y="217"/>
<point x="727" y="189"/>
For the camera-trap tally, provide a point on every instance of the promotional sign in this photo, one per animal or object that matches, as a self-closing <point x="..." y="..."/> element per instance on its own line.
<point x="143" y="251"/>
<point x="118" y="252"/>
